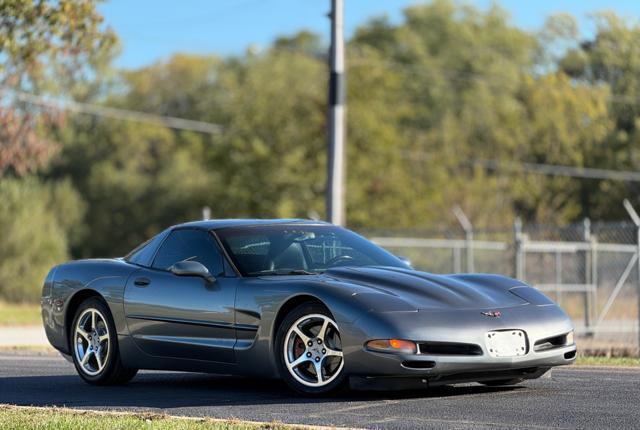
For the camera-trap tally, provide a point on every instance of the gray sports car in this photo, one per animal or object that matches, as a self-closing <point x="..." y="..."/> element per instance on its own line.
<point x="314" y="304"/>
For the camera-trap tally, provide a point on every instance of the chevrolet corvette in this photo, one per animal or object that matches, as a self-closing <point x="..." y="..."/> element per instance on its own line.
<point x="305" y="301"/>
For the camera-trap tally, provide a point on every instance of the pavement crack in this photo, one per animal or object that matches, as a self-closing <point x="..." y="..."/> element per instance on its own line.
<point x="356" y="408"/>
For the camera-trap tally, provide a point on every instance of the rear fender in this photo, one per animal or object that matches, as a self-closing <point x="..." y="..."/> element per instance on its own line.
<point x="68" y="285"/>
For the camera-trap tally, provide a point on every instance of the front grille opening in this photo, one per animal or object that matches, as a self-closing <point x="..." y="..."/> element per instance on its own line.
<point x="569" y="355"/>
<point x="419" y="364"/>
<point x="550" y="343"/>
<point x="448" y="348"/>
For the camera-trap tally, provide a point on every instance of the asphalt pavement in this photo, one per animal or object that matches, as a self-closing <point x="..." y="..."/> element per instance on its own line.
<point x="574" y="397"/>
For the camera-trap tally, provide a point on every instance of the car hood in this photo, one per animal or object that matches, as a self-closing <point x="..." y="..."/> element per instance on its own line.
<point x="397" y="289"/>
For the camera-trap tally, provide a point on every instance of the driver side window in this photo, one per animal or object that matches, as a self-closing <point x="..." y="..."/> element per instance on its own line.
<point x="194" y="245"/>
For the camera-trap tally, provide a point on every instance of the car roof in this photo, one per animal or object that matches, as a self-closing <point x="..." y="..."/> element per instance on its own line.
<point x="216" y="224"/>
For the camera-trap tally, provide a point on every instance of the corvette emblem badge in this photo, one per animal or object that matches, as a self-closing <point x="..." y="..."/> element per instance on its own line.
<point x="494" y="314"/>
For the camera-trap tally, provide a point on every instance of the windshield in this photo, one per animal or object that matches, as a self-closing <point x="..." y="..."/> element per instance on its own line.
<point x="300" y="249"/>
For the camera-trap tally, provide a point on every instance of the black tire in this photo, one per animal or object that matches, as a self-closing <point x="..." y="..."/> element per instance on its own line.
<point x="113" y="372"/>
<point x="338" y="381"/>
<point x="502" y="382"/>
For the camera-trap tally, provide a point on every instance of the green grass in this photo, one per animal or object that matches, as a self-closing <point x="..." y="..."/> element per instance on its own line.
<point x="607" y="361"/>
<point x="19" y="314"/>
<point x="12" y="417"/>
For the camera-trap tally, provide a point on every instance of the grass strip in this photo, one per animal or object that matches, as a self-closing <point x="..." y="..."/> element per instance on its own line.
<point x="20" y="417"/>
<point x="607" y="361"/>
<point x="19" y="314"/>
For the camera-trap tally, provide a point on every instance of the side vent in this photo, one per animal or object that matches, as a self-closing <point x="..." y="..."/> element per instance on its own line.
<point x="550" y="343"/>
<point x="419" y="364"/>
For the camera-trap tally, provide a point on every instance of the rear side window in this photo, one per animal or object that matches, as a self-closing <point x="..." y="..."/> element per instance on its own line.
<point x="143" y="254"/>
<point x="194" y="245"/>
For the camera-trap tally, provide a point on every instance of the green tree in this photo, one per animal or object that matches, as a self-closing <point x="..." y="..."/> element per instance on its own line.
<point x="569" y="124"/>
<point x="430" y="100"/>
<point x="34" y="225"/>
<point x="45" y="47"/>
<point x="135" y="179"/>
<point x="610" y="59"/>
<point x="461" y="71"/>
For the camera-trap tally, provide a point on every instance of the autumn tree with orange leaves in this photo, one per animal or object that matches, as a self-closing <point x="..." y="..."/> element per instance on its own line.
<point x="44" y="46"/>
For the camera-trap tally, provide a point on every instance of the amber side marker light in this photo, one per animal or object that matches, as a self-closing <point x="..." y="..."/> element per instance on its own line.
<point x="392" y="345"/>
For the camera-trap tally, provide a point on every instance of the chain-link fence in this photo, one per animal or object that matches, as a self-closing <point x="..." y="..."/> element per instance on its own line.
<point x="590" y="269"/>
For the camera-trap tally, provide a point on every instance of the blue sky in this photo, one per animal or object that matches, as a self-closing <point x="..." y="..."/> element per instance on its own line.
<point x="152" y="30"/>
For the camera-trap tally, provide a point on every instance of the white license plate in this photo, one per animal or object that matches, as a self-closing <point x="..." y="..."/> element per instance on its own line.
<point x="506" y="343"/>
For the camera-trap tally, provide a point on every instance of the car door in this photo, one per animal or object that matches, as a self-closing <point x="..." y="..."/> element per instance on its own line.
<point x="183" y="316"/>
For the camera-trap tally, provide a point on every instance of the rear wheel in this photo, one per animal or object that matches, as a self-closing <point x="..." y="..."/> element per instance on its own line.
<point x="309" y="350"/>
<point x="94" y="345"/>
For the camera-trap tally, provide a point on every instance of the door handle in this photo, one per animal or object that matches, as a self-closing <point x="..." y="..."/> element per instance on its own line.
<point x="142" y="282"/>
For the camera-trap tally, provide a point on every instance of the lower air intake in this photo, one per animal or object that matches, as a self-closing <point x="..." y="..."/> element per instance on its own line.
<point x="449" y="348"/>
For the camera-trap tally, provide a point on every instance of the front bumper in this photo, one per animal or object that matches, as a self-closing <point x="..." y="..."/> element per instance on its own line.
<point x="389" y="364"/>
<point x="468" y="327"/>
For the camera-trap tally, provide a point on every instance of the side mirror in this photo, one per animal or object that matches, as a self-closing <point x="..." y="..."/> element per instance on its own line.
<point x="191" y="268"/>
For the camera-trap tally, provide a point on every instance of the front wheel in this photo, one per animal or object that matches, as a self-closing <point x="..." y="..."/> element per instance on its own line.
<point x="94" y="345"/>
<point x="309" y="350"/>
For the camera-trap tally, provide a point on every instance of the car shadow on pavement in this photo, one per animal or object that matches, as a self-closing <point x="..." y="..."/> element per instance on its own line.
<point x="180" y="390"/>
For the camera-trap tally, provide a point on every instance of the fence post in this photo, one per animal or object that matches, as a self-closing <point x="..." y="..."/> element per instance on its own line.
<point x="517" y="236"/>
<point x="636" y="220"/>
<point x="468" y="235"/>
<point x="638" y="267"/>
<point x="594" y="276"/>
<point x="588" y="261"/>
<point x="457" y="266"/>
<point x="558" y="273"/>
<point x="470" y="256"/>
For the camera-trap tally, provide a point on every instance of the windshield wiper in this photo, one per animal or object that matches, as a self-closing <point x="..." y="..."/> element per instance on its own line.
<point x="283" y="272"/>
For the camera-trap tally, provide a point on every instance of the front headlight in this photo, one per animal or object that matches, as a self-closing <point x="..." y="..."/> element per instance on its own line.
<point x="569" y="339"/>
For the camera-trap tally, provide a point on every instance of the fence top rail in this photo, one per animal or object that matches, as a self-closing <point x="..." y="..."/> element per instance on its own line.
<point x="410" y="242"/>
<point x="561" y="246"/>
<point x="566" y="287"/>
<point x="527" y="245"/>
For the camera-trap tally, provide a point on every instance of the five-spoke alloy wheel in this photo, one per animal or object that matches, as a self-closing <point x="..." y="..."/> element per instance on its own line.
<point x="94" y="345"/>
<point x="91" y="341"/>
<point x="310" y="350"/>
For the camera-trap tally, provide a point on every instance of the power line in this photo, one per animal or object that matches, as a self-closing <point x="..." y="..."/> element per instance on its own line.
<point x="451" y="75"/>
<point x="115" y="113"/>
<point x="210" y="128"/>
<point x="459" y="76"/>
<point x="560" y="170"/>
<point x="540" y="168"/>
<point x="208" y="18"/>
